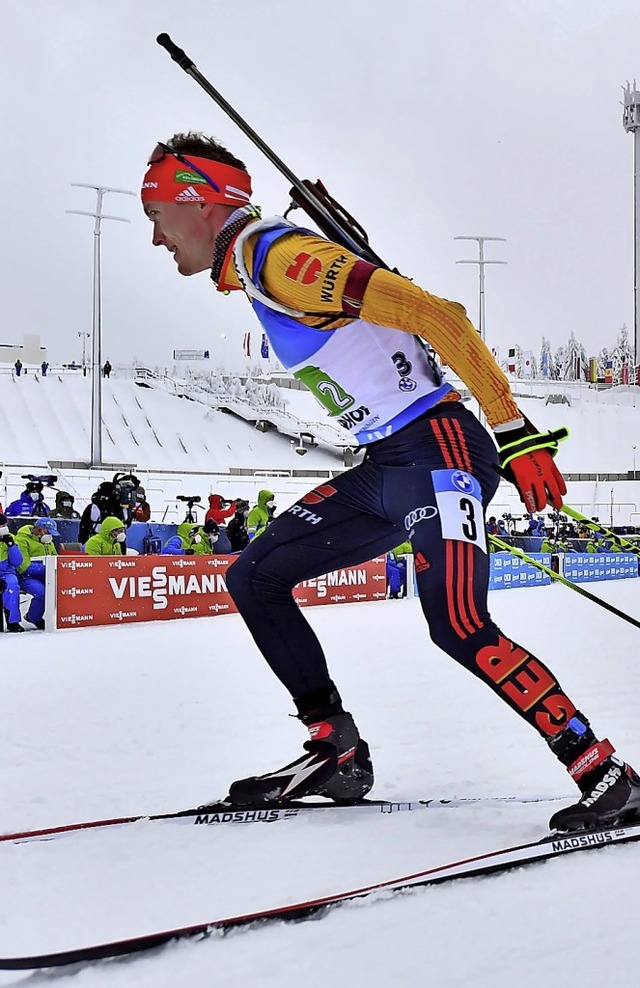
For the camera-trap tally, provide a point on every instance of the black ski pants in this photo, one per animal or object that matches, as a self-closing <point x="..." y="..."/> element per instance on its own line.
<point x="429" y="483"/>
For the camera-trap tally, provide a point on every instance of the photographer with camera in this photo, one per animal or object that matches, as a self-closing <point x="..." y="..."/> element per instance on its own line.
<point x="31" y="503"/>
<point x="219" y="509"/>
<point x="115" y="498"/>
<point x="10" y="559"/>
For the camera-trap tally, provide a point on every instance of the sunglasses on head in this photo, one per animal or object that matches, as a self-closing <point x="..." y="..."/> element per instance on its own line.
<point x="161" y="151"/>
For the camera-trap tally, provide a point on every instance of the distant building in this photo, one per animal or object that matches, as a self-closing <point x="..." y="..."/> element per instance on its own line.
<point x="31" y="352"/>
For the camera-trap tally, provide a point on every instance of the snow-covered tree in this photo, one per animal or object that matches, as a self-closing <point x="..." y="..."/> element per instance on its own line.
<point x="557" y="364"/>
<point x="622" y="353"/>
<point x="576" y="367"/>
<point x="546" y="361"/>
<point x="602" y="359"/>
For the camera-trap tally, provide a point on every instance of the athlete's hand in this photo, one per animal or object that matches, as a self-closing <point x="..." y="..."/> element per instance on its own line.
<point x="526" y="459"/>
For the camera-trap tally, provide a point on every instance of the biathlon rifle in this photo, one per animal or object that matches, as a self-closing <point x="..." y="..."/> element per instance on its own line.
<point x="326" y="212"/>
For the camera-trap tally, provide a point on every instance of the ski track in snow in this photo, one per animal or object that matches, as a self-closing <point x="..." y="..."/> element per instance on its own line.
<point x="113" y="721"/>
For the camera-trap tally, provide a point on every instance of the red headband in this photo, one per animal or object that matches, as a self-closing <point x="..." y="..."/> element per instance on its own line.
<point x="169" y="180"/>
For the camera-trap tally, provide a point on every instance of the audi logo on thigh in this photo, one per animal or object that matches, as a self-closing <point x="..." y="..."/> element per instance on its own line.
<point x="426" y="512"/>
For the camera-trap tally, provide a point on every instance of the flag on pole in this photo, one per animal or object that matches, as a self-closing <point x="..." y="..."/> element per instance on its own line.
<point x="264" y="348"/>
<point x="544" y="362"/>
<point x="608" y="373"/>
<point x="246" y="344"/>
<point x="527" y="363"/>
<point x="593" y="370"/>
<point x="511" y="363"/>
<point x="625" y="373"/>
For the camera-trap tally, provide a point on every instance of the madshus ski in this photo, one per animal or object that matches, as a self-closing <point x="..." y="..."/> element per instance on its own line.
<point x="488" y="863"/>
<point x="223" y="813"/>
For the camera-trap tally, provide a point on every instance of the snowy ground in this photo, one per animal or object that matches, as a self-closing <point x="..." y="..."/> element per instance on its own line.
<point x="115" y="721"/>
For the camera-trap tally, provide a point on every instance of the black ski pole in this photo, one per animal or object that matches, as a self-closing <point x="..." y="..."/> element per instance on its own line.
<point x="314" y="201"/>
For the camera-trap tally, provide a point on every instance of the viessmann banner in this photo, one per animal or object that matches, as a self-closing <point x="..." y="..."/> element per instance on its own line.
<point x="98" y="590"/>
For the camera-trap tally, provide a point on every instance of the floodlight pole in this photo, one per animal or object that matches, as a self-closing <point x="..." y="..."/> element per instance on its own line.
<point x="84" y="337"/>
<point x="481" y="262"/>
<point x="631" y="123"/>
<point x="96" y="336"/>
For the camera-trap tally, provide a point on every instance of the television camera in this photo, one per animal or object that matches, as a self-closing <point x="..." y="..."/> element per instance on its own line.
<point x="125" y="486"/>
<point x="40" y="480"/>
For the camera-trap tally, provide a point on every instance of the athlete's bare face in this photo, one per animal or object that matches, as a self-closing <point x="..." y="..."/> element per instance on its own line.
<point x="187" y="230"/>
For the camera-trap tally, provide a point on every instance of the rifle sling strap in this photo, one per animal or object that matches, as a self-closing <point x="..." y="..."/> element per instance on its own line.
<point x="357" y="281"/>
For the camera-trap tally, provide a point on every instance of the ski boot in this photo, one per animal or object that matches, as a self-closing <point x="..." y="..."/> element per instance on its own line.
<point x="337" y="765"/>
<point x="610" y="792"/>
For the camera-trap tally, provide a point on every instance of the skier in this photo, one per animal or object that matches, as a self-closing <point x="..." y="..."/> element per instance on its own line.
<point x="355" y="334"/>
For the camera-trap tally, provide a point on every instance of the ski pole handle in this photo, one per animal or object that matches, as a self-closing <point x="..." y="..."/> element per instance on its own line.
<point x="177" y="54"/>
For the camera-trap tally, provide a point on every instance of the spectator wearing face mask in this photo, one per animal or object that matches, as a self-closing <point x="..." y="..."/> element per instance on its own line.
<point x="261" y="514"/>
<point x="189" y="540"/>
<point x="10" y="559"/>
<point x="109" y="540"/>
<point x="237" y="528"/>
<point x="142" y="509"/>
<point x="34" y="542"/>
<point x="30" y="504"/>
<point x="64" y="506"/>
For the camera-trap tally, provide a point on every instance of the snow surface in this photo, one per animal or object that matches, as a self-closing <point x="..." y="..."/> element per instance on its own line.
<point x="126" y="720"/>
<point x="150" y="428"/>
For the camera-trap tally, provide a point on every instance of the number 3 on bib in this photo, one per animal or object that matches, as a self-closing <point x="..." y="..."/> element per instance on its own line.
<point x="459" y="502"/>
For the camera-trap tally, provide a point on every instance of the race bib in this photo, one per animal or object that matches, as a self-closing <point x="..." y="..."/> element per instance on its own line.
<point x="459" y="501"/>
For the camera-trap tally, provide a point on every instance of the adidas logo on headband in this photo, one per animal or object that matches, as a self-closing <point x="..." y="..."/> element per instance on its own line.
<point x="190" y="195"/>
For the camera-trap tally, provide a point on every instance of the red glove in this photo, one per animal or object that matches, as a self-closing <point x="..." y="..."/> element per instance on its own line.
<point x="526" y="458"/>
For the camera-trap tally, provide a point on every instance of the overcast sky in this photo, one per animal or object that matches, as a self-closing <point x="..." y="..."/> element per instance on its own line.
<point x="429" y="120"/>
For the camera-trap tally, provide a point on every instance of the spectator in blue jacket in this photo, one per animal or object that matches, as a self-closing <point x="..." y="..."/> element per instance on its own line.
<point x="503" y="531"/>
<point x="10" y="559"/>
<point x="31" y="503"/>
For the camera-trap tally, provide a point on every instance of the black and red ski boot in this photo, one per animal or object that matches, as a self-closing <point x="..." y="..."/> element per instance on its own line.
<point x="610" y="792"/>
<point x="337" y="765"/>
